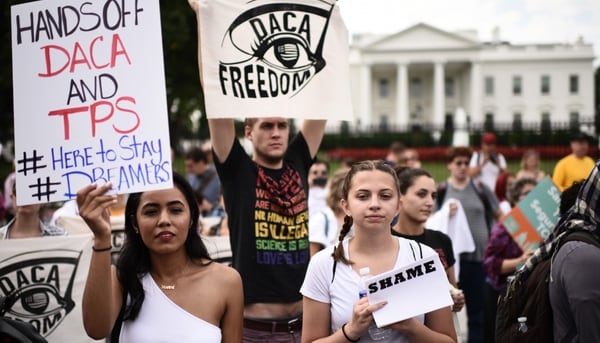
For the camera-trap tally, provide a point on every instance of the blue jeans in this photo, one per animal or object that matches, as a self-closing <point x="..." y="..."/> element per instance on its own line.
<point x="472" y="282"/>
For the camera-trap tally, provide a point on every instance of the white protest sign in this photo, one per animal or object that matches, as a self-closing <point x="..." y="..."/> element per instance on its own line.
<point x="44" y="279"/>
<point x="89" y="98"/>
<point x="412" y="290"/>
<point x="274" y="58"/>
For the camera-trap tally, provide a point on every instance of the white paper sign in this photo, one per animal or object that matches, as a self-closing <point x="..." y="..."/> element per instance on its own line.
<point x="274" y="58"/>
<point x="45" y="278"/>
<point x="89" y="98"/>
<point x="410" y="291"/>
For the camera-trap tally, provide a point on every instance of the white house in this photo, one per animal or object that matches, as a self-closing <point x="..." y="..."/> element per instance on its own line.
<point x="423" y="75"/>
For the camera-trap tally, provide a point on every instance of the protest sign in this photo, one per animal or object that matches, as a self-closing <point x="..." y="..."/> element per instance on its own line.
<point x="89" y="98"/>
<point x="411" y="290"/>
<point x="43" y="279"/>
<point x="269" y="58"/>
<point x="535" y="216"/>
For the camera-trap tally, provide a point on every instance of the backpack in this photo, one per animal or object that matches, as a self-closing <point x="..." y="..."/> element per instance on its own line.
<point x="528" y="296"/>
<point x="478" y="186"/>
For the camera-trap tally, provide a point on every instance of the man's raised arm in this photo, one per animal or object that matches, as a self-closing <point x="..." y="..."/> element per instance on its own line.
<point x="313" y="130"/>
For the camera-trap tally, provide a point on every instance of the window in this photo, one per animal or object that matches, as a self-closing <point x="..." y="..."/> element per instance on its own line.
<point x="449" y="122"/>
<point x="545" y="86"/>
<point x="574" y="84"/>
<point x="574" y="121"/>
<point x="384" y="88"/>
<point x="384" y="123"/>
<point x="488" y="124"/>
<point x="517" y="124"/>
<point x="546" y="125"/>
<point x="489" y="85"/>
<point x="415" y="88"/>
<point x="517" y="85"/>
<point x="449" y="87"/>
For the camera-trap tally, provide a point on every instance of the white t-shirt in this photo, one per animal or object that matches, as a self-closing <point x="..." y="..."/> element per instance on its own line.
<point x="317" y="199"/>
<point x="489" y="171"/>
<point x="342" y="293"/>
<point x="323" y="227"/>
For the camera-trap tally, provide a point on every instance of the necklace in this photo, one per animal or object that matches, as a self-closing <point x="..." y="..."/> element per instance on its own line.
<point x="167" y="287"/>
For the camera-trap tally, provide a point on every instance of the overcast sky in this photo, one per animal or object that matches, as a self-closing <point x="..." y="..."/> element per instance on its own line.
<point x="519" y="21"/>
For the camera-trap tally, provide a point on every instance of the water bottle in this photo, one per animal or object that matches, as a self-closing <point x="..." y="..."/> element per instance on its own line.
<point x="522" y="325"/>
<point x="376" y="334"/>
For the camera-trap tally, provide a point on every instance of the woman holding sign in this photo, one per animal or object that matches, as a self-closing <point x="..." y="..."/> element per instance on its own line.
<point x="164" y="286"/>
<point x="332" y="308"/>
<point x="417" y="198"/>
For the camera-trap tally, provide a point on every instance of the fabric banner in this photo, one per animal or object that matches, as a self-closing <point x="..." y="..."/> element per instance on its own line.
<point x="44" y="279"/>
<point x="89" y="98"/>
<point x="280" y="58"/>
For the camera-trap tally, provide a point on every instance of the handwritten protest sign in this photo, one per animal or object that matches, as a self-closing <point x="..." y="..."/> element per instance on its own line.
<point x="535" y="216"/>
<point x="269" y="58"/>
<point x="44" y="279"/>
<point x="90" y="100"/>
<point x="403" y="289"/>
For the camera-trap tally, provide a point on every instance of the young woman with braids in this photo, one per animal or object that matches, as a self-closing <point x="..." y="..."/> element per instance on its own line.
<point x="332" y="309"/>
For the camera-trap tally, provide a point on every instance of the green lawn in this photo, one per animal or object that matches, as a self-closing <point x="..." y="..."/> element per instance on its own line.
<point x="439" y="171"/>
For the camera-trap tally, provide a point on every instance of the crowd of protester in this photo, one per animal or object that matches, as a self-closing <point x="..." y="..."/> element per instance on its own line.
<point x="476" y="278"/>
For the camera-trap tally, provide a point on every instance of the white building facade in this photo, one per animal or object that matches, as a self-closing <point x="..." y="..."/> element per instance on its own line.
<point x="423" y="75"/>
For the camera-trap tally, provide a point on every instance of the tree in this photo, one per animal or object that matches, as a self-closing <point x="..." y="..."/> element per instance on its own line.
<point x="179" y="36"/>
<point x="597" y="88"/>
<point x="597" y="99"/>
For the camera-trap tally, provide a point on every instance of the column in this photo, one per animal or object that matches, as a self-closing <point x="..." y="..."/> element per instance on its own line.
<point x="476" y="93"/>
<point x="401" y="94"/>
<point x="365" y="93"/>
<point x="439" y="105"/>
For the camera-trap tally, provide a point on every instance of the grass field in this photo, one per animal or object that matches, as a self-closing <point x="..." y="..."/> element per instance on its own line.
<point x="439" y="171"/>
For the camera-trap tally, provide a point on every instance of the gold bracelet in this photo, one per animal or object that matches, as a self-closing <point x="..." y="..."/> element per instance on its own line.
<point x="101" y="249"/>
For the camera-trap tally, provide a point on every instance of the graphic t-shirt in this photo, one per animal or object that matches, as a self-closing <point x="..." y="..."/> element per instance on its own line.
<point x="268" y="222"/>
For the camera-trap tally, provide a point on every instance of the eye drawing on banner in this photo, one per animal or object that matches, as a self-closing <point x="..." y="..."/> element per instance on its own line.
<point x="38" y="287"/>
<point x="277" y="47"/>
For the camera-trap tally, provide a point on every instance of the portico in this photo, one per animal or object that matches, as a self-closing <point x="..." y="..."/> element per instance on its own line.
<point x="422" y="75"/>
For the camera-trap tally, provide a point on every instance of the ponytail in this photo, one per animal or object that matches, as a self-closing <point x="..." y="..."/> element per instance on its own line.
<point x="338" y="253"/>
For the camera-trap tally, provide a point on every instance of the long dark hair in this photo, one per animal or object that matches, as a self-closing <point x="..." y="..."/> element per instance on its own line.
<point x="134" y="259"/>
<point x="407" y="177"/>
